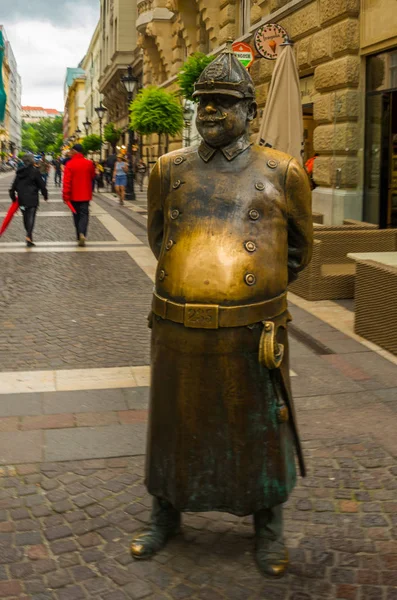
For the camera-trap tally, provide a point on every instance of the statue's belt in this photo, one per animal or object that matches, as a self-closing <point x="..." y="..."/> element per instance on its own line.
<point x="272" y="313"/>
<point x="214" y="316"/>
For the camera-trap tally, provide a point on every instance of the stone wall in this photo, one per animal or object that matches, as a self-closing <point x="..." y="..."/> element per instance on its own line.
<point x="326" y="37"/>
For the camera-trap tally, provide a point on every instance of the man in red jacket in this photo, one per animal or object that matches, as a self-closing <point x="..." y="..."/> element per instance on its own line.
<point x="77" y="188"/>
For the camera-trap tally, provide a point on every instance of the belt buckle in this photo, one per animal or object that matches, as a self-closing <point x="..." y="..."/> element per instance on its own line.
<point x="201" y="316"/>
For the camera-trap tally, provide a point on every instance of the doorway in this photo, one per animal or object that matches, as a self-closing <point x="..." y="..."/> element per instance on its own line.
<point x="380" y="185"/>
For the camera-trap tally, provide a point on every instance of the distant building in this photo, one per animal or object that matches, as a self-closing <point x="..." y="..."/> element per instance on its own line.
<point x="33" y="114"/>
<point x="11" y="127"/>
<point x="74" y="95"/>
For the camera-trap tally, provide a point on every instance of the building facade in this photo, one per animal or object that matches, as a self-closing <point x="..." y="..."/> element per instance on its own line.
<point x="346" y="52"/>
<point x="12" y="126"/>
<point x="34" y="114"/>
<point x="118" y="38"/>
<point x="91" y="65"/>
<point x="74" y="94"/>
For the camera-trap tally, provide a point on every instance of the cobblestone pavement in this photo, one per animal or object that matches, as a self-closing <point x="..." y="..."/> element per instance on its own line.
<point x="65" y="525"/>
<point x="73" y="310"/>
<point x="53" y="229"/>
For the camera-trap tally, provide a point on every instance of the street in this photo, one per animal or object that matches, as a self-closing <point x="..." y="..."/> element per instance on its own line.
<point x="74" y="382"/>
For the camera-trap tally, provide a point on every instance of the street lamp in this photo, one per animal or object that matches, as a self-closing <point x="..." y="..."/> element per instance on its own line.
<point x="130" y="82"/>
<point x="78" y="133"/>
<point x="188" y="113"/>
<point x="87" y="124"/>
<point x="100" y="111"/>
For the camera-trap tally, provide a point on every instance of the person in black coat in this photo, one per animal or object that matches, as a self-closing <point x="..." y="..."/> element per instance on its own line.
<point x="27" y="184"/>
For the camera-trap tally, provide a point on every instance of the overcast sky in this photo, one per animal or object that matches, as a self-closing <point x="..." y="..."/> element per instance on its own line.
<point x="46" y="37"/>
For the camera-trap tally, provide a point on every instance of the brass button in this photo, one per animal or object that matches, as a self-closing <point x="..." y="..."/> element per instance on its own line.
<point x="177" y="184"/>
<point x="250" y="279"/>
<point x="178" y="160"/>
<point x="260" y="186"/>
<point x="253" y="214"/>
<point x="250" y="246"/>
<point x="162" y="275"/>
<point x="174" y="214"/>
<point x="169" y="244"/>
<point x="272" y="164"/>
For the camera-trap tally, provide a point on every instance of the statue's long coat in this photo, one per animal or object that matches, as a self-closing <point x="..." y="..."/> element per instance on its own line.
<point x="214" y="440"/>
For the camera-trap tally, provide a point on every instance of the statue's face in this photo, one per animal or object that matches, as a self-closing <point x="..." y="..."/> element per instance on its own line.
<point x="221" y="119"/>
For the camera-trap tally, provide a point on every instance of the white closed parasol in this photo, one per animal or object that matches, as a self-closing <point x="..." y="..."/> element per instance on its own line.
<point x="282" y="122"/>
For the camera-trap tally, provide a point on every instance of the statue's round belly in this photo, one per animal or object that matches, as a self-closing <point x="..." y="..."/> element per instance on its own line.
<point x="218" y="269"/>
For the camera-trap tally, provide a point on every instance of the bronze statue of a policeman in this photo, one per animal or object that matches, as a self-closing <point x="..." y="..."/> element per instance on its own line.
<point x="230" y="224"/>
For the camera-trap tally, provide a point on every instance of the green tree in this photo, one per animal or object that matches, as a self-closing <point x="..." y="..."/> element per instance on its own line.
<point x="156" y="111"/>
<point x="92" y="143"/>
<point x="190" y="72"/>
<point x="56" y="148"/>
<point x="29" y="138"/>
<point x="112" y="135"/>
<point x="48" y="131"/>
<point x="44" y="136"/>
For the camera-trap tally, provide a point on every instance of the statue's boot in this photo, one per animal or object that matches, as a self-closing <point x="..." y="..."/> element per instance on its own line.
<point x="270" y="552"/>
<point x="166" y="522"/>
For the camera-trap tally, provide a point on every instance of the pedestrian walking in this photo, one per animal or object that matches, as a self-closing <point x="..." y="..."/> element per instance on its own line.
<point x="141" y="170"/>
<point x="78" y="178"/>
<point x="120" y="177"/>
<point x="25" y="189"/>
<point x="44" y="169"/>
<point x="110" y="162"/>
<point x="58" y="172"/>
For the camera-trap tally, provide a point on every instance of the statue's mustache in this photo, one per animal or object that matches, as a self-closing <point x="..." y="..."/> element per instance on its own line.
<point x="207" y="119"/>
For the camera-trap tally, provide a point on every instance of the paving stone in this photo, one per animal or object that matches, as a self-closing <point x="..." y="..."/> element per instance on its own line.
<point x="63" y="546"/>
<point x="74" y="592"/>
<point x="30" y="538"/>
<point x="58" y="532"/>
<point x="140" y="589"/>
<point x="113" y="440"/>
<point x="20" y="405"/>
<point x="59" y="579"/>
<point x="21" y="446"/>
<point x="10" y="588"/>
<point x="94" y="402"/>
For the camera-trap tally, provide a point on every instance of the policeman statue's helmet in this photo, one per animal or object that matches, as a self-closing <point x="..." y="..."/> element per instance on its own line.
<point x="225" y="75"/>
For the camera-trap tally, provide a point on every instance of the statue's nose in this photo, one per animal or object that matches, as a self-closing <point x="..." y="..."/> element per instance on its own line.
<point x="210" y="109"/>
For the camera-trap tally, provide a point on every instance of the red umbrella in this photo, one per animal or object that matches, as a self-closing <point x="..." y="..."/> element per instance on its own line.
<point x="70" y="205"/>
<point x="8" y="218"/>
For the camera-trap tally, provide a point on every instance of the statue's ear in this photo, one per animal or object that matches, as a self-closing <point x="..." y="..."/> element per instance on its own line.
<point x="252" y="111"/>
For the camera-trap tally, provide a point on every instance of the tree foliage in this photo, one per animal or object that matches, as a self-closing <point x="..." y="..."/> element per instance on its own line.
<point x="190" y="72"/>
<point x="44" y="136"/>
<point x="92" y="143"/>
<point x="112" y="134"/>
<point x="156" y="111"/>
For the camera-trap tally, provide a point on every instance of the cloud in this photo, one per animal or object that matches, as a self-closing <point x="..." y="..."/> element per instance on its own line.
<point x="45" y="48"/>
<point x="67" y="12"/>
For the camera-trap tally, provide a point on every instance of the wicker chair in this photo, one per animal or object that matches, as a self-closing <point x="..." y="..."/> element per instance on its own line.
<point x="375" y="304"/>
<point x="331" y="274"/>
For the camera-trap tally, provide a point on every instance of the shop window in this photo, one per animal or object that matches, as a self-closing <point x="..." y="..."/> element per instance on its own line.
<point x="382" y="72"/>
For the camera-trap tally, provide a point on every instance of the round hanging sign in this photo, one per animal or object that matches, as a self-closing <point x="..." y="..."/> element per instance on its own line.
<point x="244" y="53"/>
<point x="268" y="38"/>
